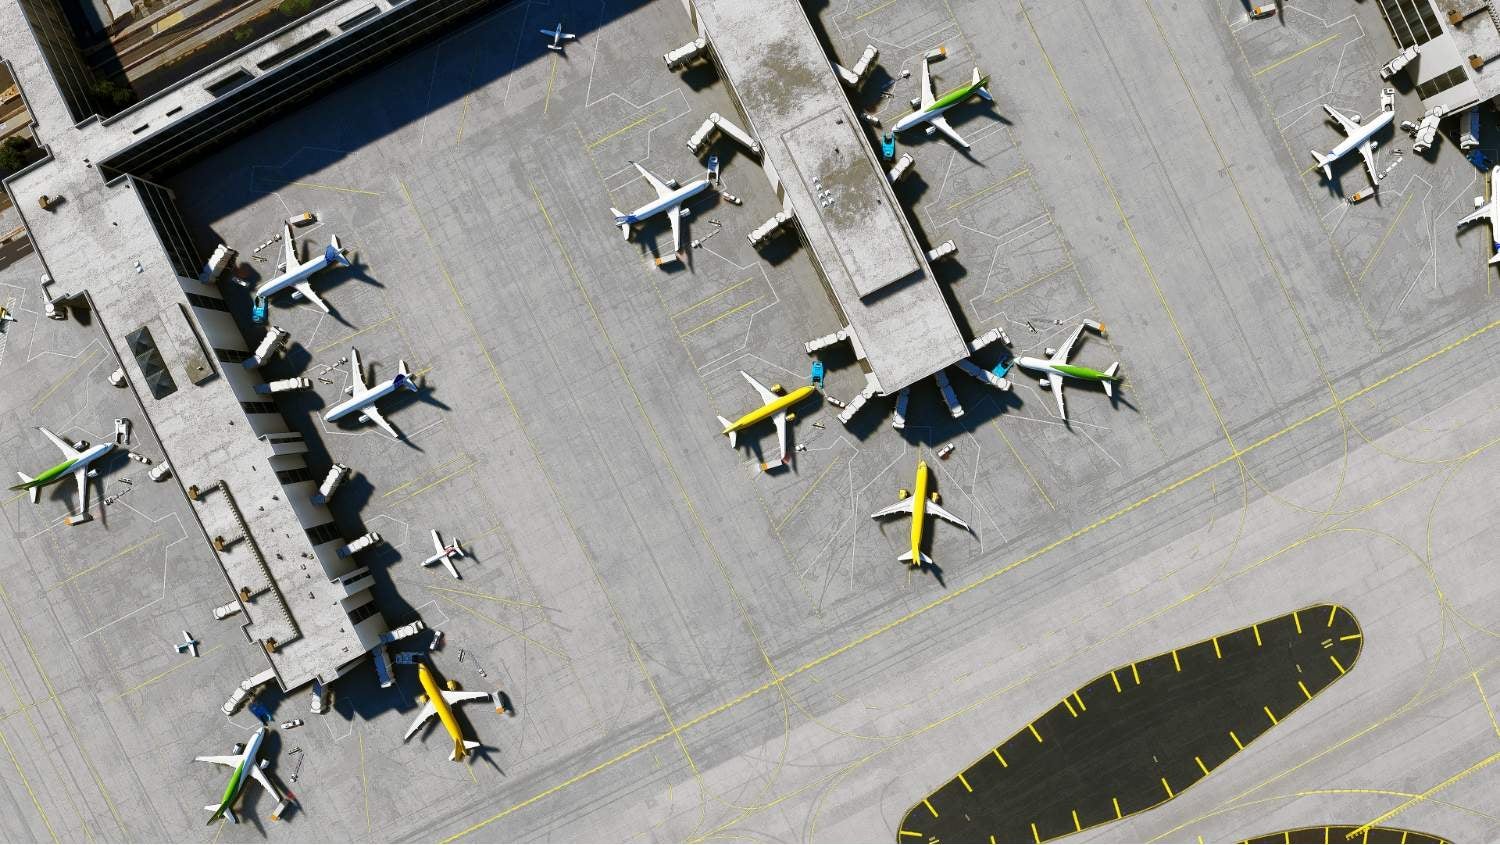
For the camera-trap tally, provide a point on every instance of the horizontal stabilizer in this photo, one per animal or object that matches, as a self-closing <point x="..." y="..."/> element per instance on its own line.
<point x="1494" y="259"/>
<point x="1325" y="163"/>
<point x="732" y="434"/>
<point x="1112" y="377"/>
<point x="906" y="558"/>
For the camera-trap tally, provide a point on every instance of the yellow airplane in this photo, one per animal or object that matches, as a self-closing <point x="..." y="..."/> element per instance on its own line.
<point x="775" y="409"/>
<point x="919" y="504"/>
<point x="438" y="702"/>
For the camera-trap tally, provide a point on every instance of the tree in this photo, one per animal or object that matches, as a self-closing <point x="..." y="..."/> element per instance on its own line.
<point x="110" y="97"/>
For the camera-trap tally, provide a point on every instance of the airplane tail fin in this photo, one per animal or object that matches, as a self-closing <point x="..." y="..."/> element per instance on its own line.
<point x="403" y="373"/>
<point x="1324" y="162"/>
<point x="36" y="492"/>
<point x="335" y="252"/>
<point x="622" y="220"/>
<point x="220" y="811"/>
<point x="1113" y="376"/>
<point x="979" y="83"/>
<point x="732" y="434"/>
<point x="1494" y="259"/>
<point x="462" y="747"/>
<point x="906" y="558"/>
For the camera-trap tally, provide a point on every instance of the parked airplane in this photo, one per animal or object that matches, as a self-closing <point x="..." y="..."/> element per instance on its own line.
<point x="669" y="198"/>
<point x="362" y="397"/>
<point x="558" y="37"/>
<point x="245" y="765"/>
<point x="445" y="554"/>
<point x="1358" y="136"/>
<point x="1055" y="367"/>
<point x="295" y="274"/>
<point x="1490" y="211"/>
<point x="930" y="108"/>
<point x="919" y="504"/>
<point x="75" y="462"/>
<point x="775" y="408"/>
<point x="438" y="702"/>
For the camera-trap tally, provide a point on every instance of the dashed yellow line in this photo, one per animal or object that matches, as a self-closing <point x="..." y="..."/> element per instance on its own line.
<point x="873" y="10"/>
<point x="623" y="129"/>
<point x="1305" y="50"/>
<point x="551" y="77"/>
<point x="1038" y="280"/>
<point x="998" y="756"/>
<point x="930" y="808"/>
<point x="1029" y="474"/>
<point x="484" y="596"/>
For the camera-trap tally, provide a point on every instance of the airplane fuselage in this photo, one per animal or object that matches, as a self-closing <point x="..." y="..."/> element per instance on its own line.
<point x="442" y="556"/>
<point x="292" y="276"/>
<point x="770" y="409"/>
<point x="1047" y="368"/>
<point x="365" y="398"/>
<point x="66" y="468"/>
<point x="444" y="711"/>
<point x="240" y="775"/>
<point x="918" y="512"/>
<point x="956" y="97"/>
<point x="668" y="202"/>
<point x="1495" y="209"/>
<point x="1366" y="131"/>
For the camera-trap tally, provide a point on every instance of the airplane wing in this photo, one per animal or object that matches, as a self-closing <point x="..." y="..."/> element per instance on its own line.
<point x="81" y="476"/>
<point x="373" y="415"/>
<point x="1479" y="214"/>
<point x="1062" y="409"/>
<point x="660" y="186"/>
<point x="426" y="713"/>
<point x="452" y="570"/>
<point x="675" y="215"/>
<point x="305" y="289"/>
<point x="780" y="420"/>
<point x="288" y="250"/>
<point x="260" y="776"/>
<point x="766" y="395"/>
<point x="459" y="697"/>
<point x="927" y="95"/>
<point x="67" y="448"/>
<point x="903" y="506"/>
<point x="1346" y="123"/>
<point x="356" y="371"/>
<point x="941" y="124"/>
<point x="437" y="543"/>
<point x="1367" y="152"/>
<point x="932" y="508"/>
<point x="230" y="760"/>
<point x="1061" y="356"/>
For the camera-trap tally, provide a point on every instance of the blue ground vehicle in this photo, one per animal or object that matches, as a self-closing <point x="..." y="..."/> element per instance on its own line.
<point x="258" y="311"/>
<point x="817" y="374"/>
<point x="888" y="145"/>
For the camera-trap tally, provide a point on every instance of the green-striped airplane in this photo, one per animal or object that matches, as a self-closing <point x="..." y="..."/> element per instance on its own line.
<point x="75" y="462"/>
<point x="245" y="765"/>
<point x="930" y="108"/>
<point x="1055" y="367"/>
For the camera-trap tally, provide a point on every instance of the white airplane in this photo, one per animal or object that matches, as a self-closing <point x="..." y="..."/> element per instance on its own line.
<point x="929" y="108"/>
<point x="244" y="763"/>
<point x="558" y="37"/>
<point x="74" y="462"/>
<point x="188" y="644"/>
<point x="776" y="409"/>
<point x="1055" y="367"/>
<point x="1490" y="211"/>
<point x="362" y="397"/>
<point x="445" y="554"/>
<point x="1357" y="136"/>
<point x="669" y="198"/>
<point x="295" y="274"/>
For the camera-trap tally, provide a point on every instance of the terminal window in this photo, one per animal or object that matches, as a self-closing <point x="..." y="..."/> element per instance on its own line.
<point x="1437" y="84"/>
<point x="1412" y="22"/>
